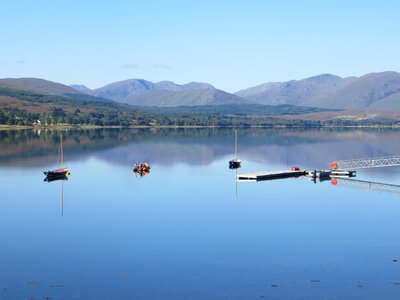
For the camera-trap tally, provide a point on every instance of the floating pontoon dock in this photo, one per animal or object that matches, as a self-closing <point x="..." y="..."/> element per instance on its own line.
<point x="269" y="175"/>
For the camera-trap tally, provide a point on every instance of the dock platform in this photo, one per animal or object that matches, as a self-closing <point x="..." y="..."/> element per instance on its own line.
<point x="269" y="175"/>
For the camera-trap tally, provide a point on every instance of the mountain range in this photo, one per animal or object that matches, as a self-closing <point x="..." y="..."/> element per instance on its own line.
<point x="163" y="94"/>
<point x="374" y="91"/>
<point x="379" y="91"/>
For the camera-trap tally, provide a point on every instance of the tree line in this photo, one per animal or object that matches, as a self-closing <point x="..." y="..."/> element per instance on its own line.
<point x="83" y="110"/>
<point x="59" y="116"/>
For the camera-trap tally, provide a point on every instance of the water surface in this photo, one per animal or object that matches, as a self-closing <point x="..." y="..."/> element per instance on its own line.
<point x="188" y="230"/>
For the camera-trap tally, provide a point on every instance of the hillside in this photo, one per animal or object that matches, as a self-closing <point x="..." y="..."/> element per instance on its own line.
<point x="120" y="90"/>
<point x="81" y="88"/>
<point x="242" y="110"/>
<point x="294" y="92"/>
<point x="168" y="98"/>
<point x="138" y="101"/>
<point x="373" y="91"/>
<point x="27" y="108"/>
<point x="37" y="85"/>
<point x="123" y="90"/>
<point x="141" y="92"/>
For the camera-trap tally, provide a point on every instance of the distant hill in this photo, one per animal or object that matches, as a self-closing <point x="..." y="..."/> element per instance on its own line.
<point x="23" y="100"/>
<point x="123" y="90"/>
<point x="37" y="85"/>
<point x="294" y="92"/>
<point x="242" y="110"/>
<point x="171" y="86"/>
<point x="291" y="91"/>
<point x="120" y="90"/>
<point x="190" y="97"/>
<point x="141" y="92"/>
<point x="81" y="88"/>
<point x="373" y="91"/>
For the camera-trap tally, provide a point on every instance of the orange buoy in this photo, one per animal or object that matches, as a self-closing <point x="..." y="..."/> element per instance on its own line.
<point x="334" y="182"/>
<point x="334" y="165"/>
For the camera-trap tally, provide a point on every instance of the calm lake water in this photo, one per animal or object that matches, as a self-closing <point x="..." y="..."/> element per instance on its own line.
<point x="188" y="230"/>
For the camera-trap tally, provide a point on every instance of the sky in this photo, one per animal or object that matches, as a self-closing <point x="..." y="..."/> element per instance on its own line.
<point x="231" y="44"/>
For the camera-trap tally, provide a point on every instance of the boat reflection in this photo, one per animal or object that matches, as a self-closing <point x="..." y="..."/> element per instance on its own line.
<point x="61" y="178"/>
<point x="141" y="169"/>
<point x="171" y="147"/>
<point x="141" y="173"/>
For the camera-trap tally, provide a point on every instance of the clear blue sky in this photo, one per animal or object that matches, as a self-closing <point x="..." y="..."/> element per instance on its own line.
<point x="230" y="44"/>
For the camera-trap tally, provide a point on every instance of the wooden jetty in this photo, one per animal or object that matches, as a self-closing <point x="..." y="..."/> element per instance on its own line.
<point x="269" y="175"/>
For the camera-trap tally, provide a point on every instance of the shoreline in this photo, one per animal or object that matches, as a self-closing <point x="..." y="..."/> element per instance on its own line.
<point x="61" y="127"/>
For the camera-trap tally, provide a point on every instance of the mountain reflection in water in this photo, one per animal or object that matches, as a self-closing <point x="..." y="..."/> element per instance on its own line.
<point x="313" y="148"/>
<point x="189" y="230"/>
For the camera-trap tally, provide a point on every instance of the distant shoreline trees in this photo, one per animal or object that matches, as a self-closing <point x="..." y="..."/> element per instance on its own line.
<point x="83" y="110"/>
<point x="59" y="116"/>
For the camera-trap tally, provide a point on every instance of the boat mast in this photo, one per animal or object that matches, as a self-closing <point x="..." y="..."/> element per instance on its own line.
<point x="61" y="154"/>
<point x="236" y="147"/>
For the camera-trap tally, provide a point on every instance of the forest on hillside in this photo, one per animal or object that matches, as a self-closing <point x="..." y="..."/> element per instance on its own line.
<point x="78" y="110"/>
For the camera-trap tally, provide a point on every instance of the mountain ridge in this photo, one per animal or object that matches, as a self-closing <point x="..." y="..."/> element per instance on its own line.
<point x="164" y="93"/>
<point x="373" y="90"/>
<point x="38" y="85"/>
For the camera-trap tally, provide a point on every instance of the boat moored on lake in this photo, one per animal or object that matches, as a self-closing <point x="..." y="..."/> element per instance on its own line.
<point x="58" y="174"/>
<point x="236" y="162"/>
<point x="141" y="168"/>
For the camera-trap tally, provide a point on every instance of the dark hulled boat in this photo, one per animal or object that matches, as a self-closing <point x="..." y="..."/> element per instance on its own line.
<point x="58" y="174"/>
<point x="236" y="162"/>
<point x="55" y="176"/>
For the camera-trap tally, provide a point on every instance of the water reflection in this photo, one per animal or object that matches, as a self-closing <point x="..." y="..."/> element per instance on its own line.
<point x="309" y="149"/>
<point x="181" y="233"/>
<point x="60" y="179"/>
<point x="365" y="185"/>
<point x="340" y="178"/>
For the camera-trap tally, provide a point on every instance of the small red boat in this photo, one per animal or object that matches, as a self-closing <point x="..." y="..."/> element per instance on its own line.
<point x="141" y="168"/>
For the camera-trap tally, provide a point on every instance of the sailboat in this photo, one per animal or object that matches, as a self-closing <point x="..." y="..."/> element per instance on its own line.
<point x="235" y="163"/>
<point x="58" y="174"/>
